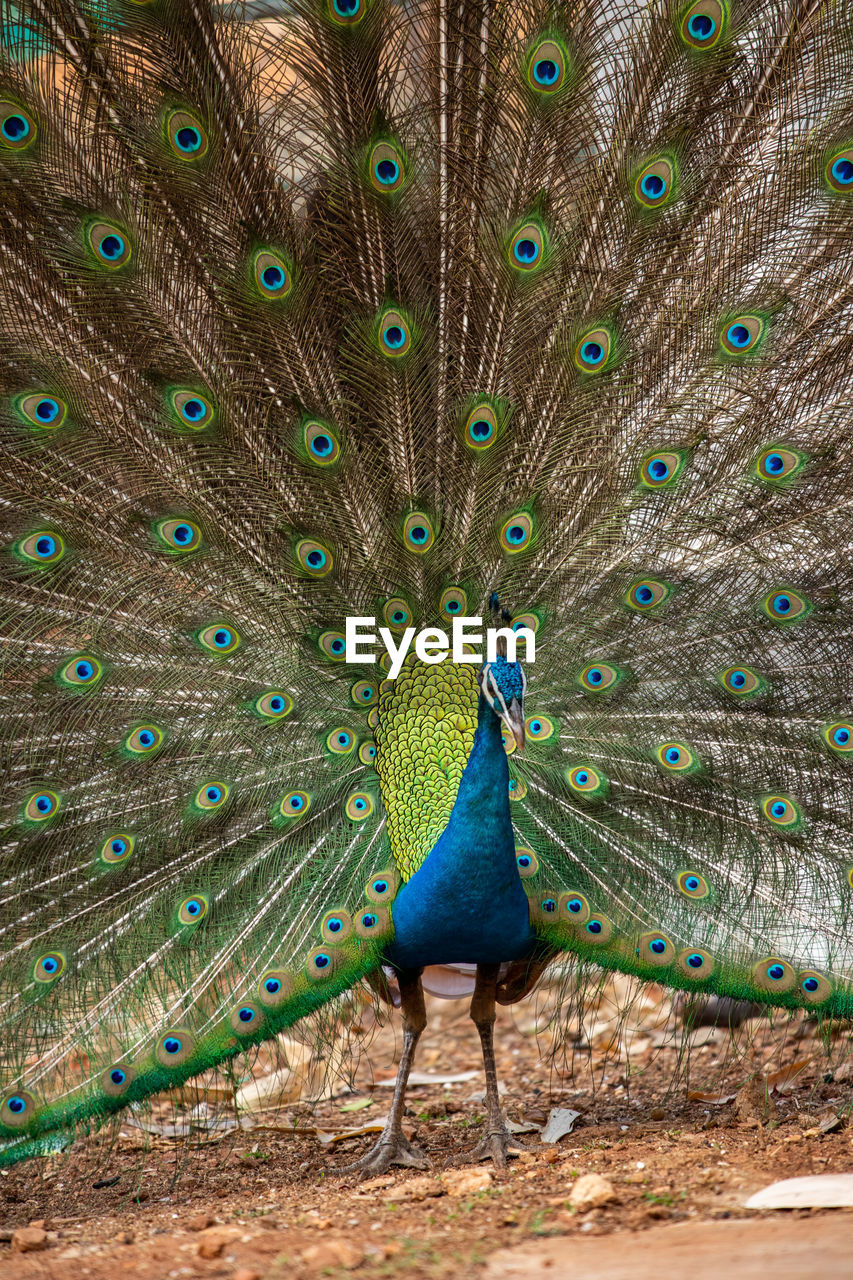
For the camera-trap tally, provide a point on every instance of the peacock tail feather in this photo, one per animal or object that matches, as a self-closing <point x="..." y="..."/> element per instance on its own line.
<point x="373" y="310"/>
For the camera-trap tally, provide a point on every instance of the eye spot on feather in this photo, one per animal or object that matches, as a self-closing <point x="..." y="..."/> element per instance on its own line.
<point x="647" y="594"/>
<point x="275" y="988"/>
<point x="784" y="605"/>
<point x="593" y="351"/>
<point x="295" y="804"/>
<point x="333" y="645"/>
<point x="49" y="967"/>
<point x="109" y="245"/>
<point x="340" y="741"/>
<point x="527" y="247"/>
<point x="781" y="811"/>
<point x="359" y="806"/>
<point x="839" y="737"/>
<point x="655" y="184"/>
<point x="336" y="926"/>
<point x="369" y="924"/>
<point x="382" y="887"/>
<point x="546" y="68"/>
<point x="774" y="974"/>
<point x="517" y="789"/>
<point x="526" y="861"/>
<point x="815" y="988"/>
<point x="574" y="907"/>
<point x="418" y="532"/>
<point x="675" y="757"/>
<point x="274" y="705"/>
<point x="179" y="535"/>
<point x="219" y="638"/>
<point x="367" y="753"/>
<point x="43" y="547"/>
<point x="839" y="172"/>
<point x="454" y="602"/>
<point x="588" y="782"/>
<point x="703" y="23"/>
<point x="193" y="909"/>
<point x="186" y="136"/>
<point x="397" y="614"/>
<point x="655" y="949"/>
<point x="314" y="557"/>
<point x="539" y="728"/>
<point x="246" y="1019"/>
<point x="779" y="462"/>
<point x="322" y="443"/>
<point x="742" y="335"/>
<point x="271" y="275"/>
<point x="116" y="1080"/>
<point x="192" y="409"/>
<point x="530" y="620"/>
<point x="174" y="1048"/>
<point x="695" y="963"/>
<point x="741" y="681"/>
<point x="395" y="338"/>
<point x="661" y="468"/>
<point x="321" y="963"/>
<point x="41" y="806"/>
<point x="211" y="795"/>
<point x="598" y="677"/>
<point x="481" y="427"/>
<point x="597" y="929"/>
<point x="693" y="885"/>
<point x="82" y="672"/>
<point x="18" y="129"/>
<point x="18" y="1108"/>
<point x="516" y="533"/>
<point x="41" y="409"/>
<point x="117" y="848"/>
<point x="144" y="740"/>
<point x="385" y="168"/>
<point x="347" y="12"/>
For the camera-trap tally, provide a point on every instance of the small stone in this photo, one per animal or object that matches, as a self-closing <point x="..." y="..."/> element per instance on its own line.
<point x="124" y="1237"/>
<point x="213" y="1241"/>
<point x="333" y="1253"/>
<point x="201" y="1223"/>
<point x="590" y="1191"/>
<point x="657" y="1113"/>
<point x="466" y="1182"/>
<point x="636" y="1179"/>
<point x="419" y="1188"/>
<point x="246" y="1273"/>
<point x="29" y="1240"/>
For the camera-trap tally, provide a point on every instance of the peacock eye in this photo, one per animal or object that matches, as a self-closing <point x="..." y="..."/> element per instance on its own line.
<point x="454" y="602"/>
<point x="785" y="605"/>
<point x="193" y="909"/>
<point x="274" y="705"/>
<point x="385" y="168"/>
<point x="219" y="638"/>
<point x="186" y="136"/>
<point x="593" y="351"/>
<point x="49" y="967"/>
<point x="661" y="468"/>
<point x="193" y="410"/>
<point x="321" y="443"/>
<point x="586" y="780"/>
<point x="367" y="752"/>
<point x="41" y="548"/>
<point x="340" y="741"/>
<point x="546" y="67"/>
<point x="42" y="409"/>
<point x="272" y="276"/>
<point x="597" y="677"/>
<point x="144" y="740"/>
<point x="539" y="728"/>
<point x="397" y="614"/>
<point x="527" y="247"/>
<point x="18" y="129"/>
<point x="481" y="427"/>
<point x="359" y="806"/>
<point x="346" y="12"/>
<point x="526" y="861"/>
<point x="333" y="645"/>
<point x="741" y="681"/>
<point x="109" y="245"/>
<point x="839" y="737"/>
<point x="316" y="559"/>
<point x="517" y="532"/>
<point x="81" y="672"/>
<point x="655" y="184"/>
<point x="693" y="885"/>
<point x="295" y="804"/>
<point x="395" y="338"/>
<point x="839" y="172"/>
<point x="647" y="594"/>
<point x="702" y="24"/>
<point x="179" y="535"/>
<point x="418" y="532"/>
<point x="742" y="335"/>
<point x="117" y="848"/>
<point x="781" y="811"/>
<point x="675" y="757"/>
<point x="212" y="795"/>
<point x="779" y="463"/>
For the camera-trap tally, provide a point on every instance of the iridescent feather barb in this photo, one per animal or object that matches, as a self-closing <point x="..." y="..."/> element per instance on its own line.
<point x="376" y="310"/>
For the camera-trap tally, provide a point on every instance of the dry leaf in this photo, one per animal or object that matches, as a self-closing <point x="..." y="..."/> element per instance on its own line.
<point x="822" y="1191"/>
<point x="713" y="1099"/>
<point x="560" y="1122"/>
<point x="783" y="1080"/>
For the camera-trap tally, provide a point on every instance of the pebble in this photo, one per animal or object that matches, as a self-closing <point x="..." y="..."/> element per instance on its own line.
<point x="333" y="1253"/>
<point x="466" y="1182"/>
<point x="29" y="1239"/>
<point x="591" y="1190"/>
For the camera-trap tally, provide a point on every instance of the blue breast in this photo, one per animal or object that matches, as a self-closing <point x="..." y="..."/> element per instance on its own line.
<point x="466" y="902"/>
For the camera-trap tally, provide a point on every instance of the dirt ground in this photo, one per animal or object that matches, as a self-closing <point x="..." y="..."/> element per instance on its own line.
<point x="182" y="1191"/>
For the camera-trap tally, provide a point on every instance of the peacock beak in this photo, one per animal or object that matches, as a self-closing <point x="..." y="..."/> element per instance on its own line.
<point x="515" y="721"/>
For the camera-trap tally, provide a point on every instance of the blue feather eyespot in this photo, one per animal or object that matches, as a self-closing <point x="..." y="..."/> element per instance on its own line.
<point x="336" y="926"/>
<point x="675" y="757"/>
<point x="41" y="409"/>
<point x="382" y="887"/>
<point x="347" y="12"/>
<point x="781" y="811"/>
<point x="588" y="782"/>
<point x="295" y="804"/>
<point x="774" y="974"/>
<point x="693" y="885"/>
<point x="814" y="987"/>
<point x="340" y="741"/>
<point x="574" y="907"/>
<point x="695" y="963"/>
<point x="219" y="638"/>
<point x="655" y="949"/>
<point x="49" y="967"/>
<point x="316" y="559"/>
<point x="593" y="351"/>
<point x="839" y="172"/>
<point x="418" y="532"/>
<point x="481" y="427"/>
<point x="367" y="753"/>
<point x="654" y="185"/>
<point x="526" y="861"/>
<point x="741" y="681"/>
<point x="174" y="1048"/>
<point x="211" y="795"/>
<point x="397" y="614"/>
<point x="703" y="23"/>
<point x="193" y="909"/>
<point x="116" y="1080"/>
<point x="193" y="410"/>
<point x="274" y="705"/>
<point x="109" y="245"/>
<point x="321" y="443"/>
<point x="144" y="740"/>
<point x="516" y="533"/>
<point x="18" y="129"/>
<point x="82" y="672"/>
<point x="517" y="788"/>
<point x="44" y="547"/>
<point x="530" y="620"/>
<point x="395" y="338"/>
<point x="784" y="605"/>
<point x="778" y="463"/>
<point x="386" y="168"/>
<point x="454" y="602"/>
<point x="247" y="1019"/>
<point x="597" y="929"/>
<point x="321" y="963"/>
<point x="661" y="468"/>
<point x="839" y="737"/>
<point x="363" y="693"/>
<point x="647" y="594"/>
<point x="527" y="247"/>
<point x="186" y="136"/>
<point x="271" y="275"/>
<point x="117" y="848"/>
<point x="178" y="535"/>
<point x="742" y="335"/>
<point x="539" y="728"/>
<point x="17" y="1109"/>
<point x="275" y="988"/>
<point x="359" y="806"/>
<point x="333" y="645"/>
<point x="598" y="677"/>
<point x="41" y="806"/>
<point x="547" y="67"/>
<point x="369" y="924"/>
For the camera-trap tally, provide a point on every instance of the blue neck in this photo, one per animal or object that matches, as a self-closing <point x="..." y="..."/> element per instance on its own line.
<point x="466" y="902"/>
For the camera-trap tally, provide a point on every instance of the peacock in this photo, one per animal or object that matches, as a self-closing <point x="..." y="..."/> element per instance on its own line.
<point x="428" y="314"/>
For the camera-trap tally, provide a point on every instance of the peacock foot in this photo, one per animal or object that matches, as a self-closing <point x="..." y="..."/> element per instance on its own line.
<point x="390" y="1149"/>
<point x="495" y="1146"/>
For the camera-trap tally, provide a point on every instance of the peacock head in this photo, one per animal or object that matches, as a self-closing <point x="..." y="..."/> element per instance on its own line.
<point x="503" y="684"/>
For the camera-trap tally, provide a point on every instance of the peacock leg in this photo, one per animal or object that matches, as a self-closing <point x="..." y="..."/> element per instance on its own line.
<point x="393" y="1147"/>
<point x="497" y="1141"/>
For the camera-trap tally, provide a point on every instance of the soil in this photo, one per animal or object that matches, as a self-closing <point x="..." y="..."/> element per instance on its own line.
<point x="189" y="1194"/>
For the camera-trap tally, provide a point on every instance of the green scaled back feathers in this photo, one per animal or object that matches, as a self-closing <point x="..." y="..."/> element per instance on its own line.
<point x="373" y="311"/>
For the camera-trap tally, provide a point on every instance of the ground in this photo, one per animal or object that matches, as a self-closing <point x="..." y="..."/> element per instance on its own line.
<point x="189" y="1194"/>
